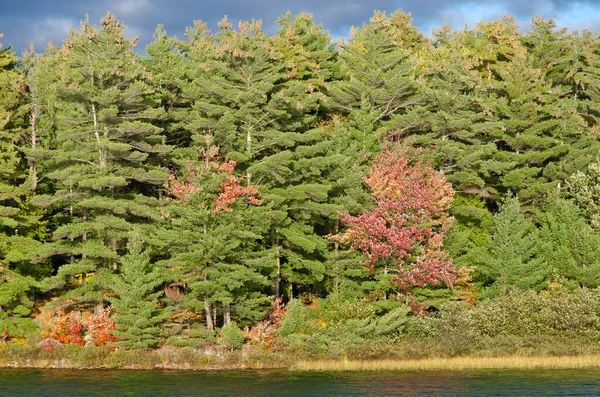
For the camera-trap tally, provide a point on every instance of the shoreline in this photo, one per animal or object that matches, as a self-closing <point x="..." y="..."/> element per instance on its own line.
<point x="465" y="363"/>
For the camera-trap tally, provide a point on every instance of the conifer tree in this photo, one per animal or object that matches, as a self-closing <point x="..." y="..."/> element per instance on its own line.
<point x="377" y="59"/>
<point x="260" y="98"/>
<point x="570" y="245"/>
<point x="513" y="257"/>
<point x="11" y="172"/>
<point x="138" y="315"/>
<point x="105" y="166"/>
<point x="36" y="134"/>
<point x="15" y="288"/>
<point x="498" y="121"/>
<point x="218" y="262"/>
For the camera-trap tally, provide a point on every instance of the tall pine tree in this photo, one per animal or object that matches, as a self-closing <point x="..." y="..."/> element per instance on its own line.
<point x="105" y="168"/>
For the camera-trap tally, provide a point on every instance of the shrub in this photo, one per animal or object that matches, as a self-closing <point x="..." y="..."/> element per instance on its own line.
<point x="231" y="336"/>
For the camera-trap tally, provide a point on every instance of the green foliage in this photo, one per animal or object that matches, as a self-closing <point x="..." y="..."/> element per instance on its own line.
<point x="231" y="336"/>
<point x="298" y="318"/>
<point x="232" y="154"/>
<point x="570" y="245"/>
<point x="513" y="256"/>
<point x="390" y="323"/>
<point x="470" y="230"/>
<point x="556" y="312"/>
<point x="584" y="187"/>
<point x="138" y="315"/>
<point x="104" y="163"/>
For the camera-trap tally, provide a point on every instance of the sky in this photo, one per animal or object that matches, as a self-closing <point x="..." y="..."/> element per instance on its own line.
<point x="40" y="21"/>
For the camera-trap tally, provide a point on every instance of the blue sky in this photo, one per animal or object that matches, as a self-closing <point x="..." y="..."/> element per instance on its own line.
<point x="40" y="21"/>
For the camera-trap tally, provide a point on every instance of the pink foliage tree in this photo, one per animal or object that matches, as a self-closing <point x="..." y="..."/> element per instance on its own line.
<point x="406" y="226"/>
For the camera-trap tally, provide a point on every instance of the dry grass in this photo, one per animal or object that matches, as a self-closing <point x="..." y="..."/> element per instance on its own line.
<point x="452" y="364"/>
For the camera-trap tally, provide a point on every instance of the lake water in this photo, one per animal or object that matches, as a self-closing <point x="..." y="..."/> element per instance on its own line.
<point x="21" y="382"/>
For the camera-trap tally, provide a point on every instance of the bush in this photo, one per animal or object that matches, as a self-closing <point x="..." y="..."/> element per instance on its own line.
<point x="231" y="336"/>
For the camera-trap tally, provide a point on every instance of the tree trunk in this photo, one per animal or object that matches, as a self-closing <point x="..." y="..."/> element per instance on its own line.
<point x="113" y="247"/>
<point x="83" y="256"/>
<point x="336" y="248"/>
<point x="385" y="271"/>
<point x="291" y="290"/>
<point x="32" y="163"/>
<point x="277" y="283"/>
<point x="227" y="314"/>
<point x="101" y="149"/>
<point x="99" y="307"/>
<point x="207" y="312"/>
<point x="214" y="314"/>
<point x="249" y="148"/>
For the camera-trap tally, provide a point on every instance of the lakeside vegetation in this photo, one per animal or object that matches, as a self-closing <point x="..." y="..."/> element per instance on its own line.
<point x="238" y="199"/>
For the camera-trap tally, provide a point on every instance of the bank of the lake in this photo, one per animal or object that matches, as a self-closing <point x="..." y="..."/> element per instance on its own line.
<point x="251" y="357"/>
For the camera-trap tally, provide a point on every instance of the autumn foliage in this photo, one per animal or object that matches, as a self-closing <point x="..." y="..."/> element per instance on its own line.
<point x="71" y="329"/>
<point x="231" y="187"/>
<point x="406" y="226"/>
<point x="67" y="329"/>
<point x="264" y="331"/>
<point x="99" y="327"/>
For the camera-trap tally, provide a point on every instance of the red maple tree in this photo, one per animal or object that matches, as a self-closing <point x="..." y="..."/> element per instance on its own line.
<point x="406" y="226"/>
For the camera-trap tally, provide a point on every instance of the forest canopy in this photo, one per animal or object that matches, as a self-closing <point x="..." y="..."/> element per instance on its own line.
<point x="232" y="171"/>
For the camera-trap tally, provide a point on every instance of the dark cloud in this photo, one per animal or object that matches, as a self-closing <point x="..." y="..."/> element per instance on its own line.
<point x="39" y="21"/>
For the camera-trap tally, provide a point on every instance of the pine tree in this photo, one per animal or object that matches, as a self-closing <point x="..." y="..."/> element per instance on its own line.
<point x="105" y="167"/>
<point x="513" y="256"/>
<point x="16" y="285"/>
<point x="498" y="121"/>
<point x="377" y="60"/>
<point x="260" y="99"/>
<point x="11" y="171"/>
<point x="138" y="315"/>
<point x="36" y="134"/>
<point x="570" y="245"/>
<point x="214" y="226"/>
<point x="16" y="302"/>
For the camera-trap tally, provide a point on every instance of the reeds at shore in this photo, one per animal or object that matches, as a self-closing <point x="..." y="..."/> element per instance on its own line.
<point x="451" y="364"/>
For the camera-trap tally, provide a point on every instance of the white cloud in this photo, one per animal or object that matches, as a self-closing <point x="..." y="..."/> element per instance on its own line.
<point x="49" y="29"/>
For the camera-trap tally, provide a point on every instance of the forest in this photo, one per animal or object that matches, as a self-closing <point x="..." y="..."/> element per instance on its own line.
<point x="289" y="191"/>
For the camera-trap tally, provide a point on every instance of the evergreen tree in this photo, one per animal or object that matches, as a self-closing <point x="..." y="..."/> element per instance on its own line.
<point x="381" y="83"/>
<point x="36" y="135"/>
<point x="570" y="245"/>
<point x="16" y="285"/>
<point x="504" y="125"/>
<point x="16" y="302"/>
<point x="212" y="235"/>
<point x="105" y="167"/>
<point x="11" y="171"/>
<point x="584" y="188"/>
<point x="260" y="98"/>
<point x="513" y="256"/>
<point x="138" y="316"/>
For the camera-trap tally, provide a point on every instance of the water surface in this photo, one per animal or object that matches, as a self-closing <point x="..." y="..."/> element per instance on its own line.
<point x="51" y="382"/>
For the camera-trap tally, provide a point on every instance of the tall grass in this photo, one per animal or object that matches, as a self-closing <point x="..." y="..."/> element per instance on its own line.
<point x="451" y="364"/>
